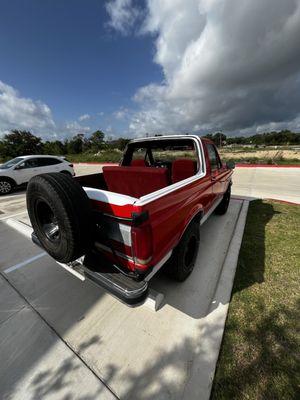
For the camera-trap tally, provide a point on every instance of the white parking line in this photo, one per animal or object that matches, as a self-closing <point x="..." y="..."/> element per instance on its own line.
<point x="12" y="215"/>
<point x="19" y="226"/>
<point x="26" y="230"/>
<point x="23" y="263"/>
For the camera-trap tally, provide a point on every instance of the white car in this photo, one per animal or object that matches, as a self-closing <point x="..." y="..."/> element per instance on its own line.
<point x="20" y="170"/>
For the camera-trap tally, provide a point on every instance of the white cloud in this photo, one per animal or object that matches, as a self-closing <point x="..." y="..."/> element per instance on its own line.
<point x="229" y="65"/>
<point x="122" y="15"/>
<point x="73" y="128"/>
<point x="122" y="113"/>
<point x="18" y="112"/>
<point x="84" y="117"/>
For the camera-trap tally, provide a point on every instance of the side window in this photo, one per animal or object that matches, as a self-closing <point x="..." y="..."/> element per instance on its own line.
<point x="44" y="162"/>
<point x="214" y="159"/>
<point x="139" y="154"/>
<point x="172" y="153"/>
<point x="31" y="163"/>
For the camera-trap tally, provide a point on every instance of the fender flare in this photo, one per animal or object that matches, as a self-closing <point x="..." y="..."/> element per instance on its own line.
<point x="195" y="212"/>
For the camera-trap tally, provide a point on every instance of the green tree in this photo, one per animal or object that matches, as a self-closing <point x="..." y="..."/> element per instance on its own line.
<point x="18" y="143"/>
<point x="75" y="145"/>
<point x="219" y="138"/>
<point x="55" y="147"/>
<point x="119" y="144"/>
<point x="97" y="141"/>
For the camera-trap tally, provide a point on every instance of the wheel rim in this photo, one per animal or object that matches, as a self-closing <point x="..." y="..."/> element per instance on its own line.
<point x="190" y="253"/>
<point x="47" y="221"/>
<point x="5" y="187"/>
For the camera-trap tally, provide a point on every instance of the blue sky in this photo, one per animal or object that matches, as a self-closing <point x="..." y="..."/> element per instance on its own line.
<point x="131" y="67"/>
<point x="64" y="54"/>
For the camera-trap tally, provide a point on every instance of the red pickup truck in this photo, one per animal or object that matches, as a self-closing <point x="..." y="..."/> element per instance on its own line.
<point x="124" y="223"/>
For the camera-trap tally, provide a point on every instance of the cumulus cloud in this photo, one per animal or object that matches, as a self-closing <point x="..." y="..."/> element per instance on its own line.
<point x="122" y="113"/>
<point x="122" y="15"/>
<point x="18" y="112"/>
<point x="231" y="65"/>
<point x="73" y="128"/>
<point x="84" y="117"/>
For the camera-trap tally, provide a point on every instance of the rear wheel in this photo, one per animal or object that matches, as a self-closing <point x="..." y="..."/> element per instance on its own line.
<point x="6" y="186"/>
<point x="60" y="214"/>
<point x="223" y="206"/>
<point x="183" y="259"/>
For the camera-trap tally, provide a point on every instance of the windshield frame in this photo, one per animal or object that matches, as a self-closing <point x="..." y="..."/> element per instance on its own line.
<point x="11" y="163"/>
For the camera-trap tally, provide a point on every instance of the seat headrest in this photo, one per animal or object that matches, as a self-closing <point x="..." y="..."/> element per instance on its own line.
<point x="138" y="163"/>
<point x="183" y="168"/>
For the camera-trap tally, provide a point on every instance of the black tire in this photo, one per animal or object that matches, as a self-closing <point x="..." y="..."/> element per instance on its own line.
<point x="182" y="262"/>
<point x="6" y="186"/>
<point x="223" y="206"/>
<point x="60" y="215"/>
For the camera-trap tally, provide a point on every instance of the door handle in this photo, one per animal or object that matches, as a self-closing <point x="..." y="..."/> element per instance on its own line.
<point x="213" y="178"/>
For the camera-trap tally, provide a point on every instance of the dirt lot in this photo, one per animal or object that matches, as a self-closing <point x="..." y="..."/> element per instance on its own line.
<point x="266" y="154"/>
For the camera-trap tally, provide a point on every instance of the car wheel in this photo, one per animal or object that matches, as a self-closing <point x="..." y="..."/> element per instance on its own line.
<point x="6" y="186"/>
<point x="223" y="206"/>
<point x="183" y="259"/>
<point x="60" y="215"/>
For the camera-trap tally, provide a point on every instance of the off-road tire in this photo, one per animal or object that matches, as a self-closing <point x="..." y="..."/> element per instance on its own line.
<point x="6" y="186"/>
<point x="66" y="173"/>
<point x="183" y="259"/>
<point x="223" y="206"/>
<point x="60" y="215"/>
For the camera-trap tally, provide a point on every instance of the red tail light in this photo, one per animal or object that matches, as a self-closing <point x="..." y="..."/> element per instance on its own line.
<point x="142" y="244"/>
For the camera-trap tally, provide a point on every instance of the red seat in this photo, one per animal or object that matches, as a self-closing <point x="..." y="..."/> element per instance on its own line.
<point x="139" y="163"/>
<point x="135" y="181"/>
<point x="182" y="169"/>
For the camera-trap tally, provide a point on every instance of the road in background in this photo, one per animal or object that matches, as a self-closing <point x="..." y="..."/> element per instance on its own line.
<point x="267" y="183"/>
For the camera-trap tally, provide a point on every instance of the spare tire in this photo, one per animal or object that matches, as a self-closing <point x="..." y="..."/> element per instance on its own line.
<point x="60" y="214"/>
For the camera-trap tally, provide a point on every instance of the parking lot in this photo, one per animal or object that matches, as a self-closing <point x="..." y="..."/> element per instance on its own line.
<point x="62" y="337"/>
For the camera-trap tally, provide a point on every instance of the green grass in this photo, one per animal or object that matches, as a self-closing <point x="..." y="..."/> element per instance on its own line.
<point x="104" y="156"/>
<point x="259" y="357"/>
<point x="257" y="160"/>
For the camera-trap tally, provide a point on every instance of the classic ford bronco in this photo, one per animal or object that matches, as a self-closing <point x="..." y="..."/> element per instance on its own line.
<point x="120" y="226"/>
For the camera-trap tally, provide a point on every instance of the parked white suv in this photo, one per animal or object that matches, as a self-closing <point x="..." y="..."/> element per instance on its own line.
<point x="19" y="170"/>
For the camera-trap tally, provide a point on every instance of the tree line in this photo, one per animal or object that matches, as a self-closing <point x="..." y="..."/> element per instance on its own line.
<point x="18" y="142"/>
<point x="284" y="137"/>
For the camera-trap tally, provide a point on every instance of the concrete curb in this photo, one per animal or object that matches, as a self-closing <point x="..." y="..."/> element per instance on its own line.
<point x="224" y="288"/>
<point x="95" y="163"/>
<point x="216" y="317"/>
<point x="241" y="165"/>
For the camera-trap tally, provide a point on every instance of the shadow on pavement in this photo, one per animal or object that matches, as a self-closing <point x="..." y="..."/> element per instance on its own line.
<point x="52" y="381"/>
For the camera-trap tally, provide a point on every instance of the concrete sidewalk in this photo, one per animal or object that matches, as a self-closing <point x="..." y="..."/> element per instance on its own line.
<point x="35" y="362"/>
<point x="267" y="183"/>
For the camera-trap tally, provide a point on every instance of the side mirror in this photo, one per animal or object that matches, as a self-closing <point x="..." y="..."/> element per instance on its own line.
<point x="18" y="167"/>
<point x="230" y="165"/>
